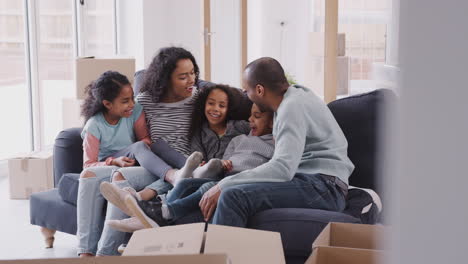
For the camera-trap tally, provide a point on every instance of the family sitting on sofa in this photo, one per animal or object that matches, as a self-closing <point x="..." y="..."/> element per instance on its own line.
<point x="290" y="154"/>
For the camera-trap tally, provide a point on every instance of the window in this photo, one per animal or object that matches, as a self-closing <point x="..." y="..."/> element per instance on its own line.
<point x="15" y="106"/>
<point x="365" y="24"/>
<point x="54" y="64"/>
<point x="98" y="27"/>
<point x="39" y="41"/>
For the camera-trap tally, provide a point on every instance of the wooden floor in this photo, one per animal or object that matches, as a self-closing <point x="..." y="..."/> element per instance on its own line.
<point x="19" y="239"/>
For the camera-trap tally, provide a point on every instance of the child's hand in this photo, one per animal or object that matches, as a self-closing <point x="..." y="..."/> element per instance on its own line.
<point x="123" y="162"/>
<point x="203" y="163"/>
<point x="227" y="165"/>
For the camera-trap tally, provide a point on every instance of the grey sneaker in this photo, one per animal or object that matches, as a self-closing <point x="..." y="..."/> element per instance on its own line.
<point x="116" y="196"/>
<point x="146" y="211"/>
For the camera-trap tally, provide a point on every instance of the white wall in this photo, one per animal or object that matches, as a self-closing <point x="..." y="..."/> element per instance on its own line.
<point x="430" y="181"/>
<point x="287" y="43"/>
<point x="130" y="33"/>
<point x="148" y="25"/>
<point x="225" y="42"/>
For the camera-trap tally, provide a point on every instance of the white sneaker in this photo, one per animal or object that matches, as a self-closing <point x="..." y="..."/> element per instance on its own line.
<point x="128" y="225"/>
<point x="116" y="196"/>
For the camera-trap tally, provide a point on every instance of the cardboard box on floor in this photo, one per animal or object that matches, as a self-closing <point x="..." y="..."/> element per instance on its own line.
<point x="348" y="243"/>
<point x="241" y="245"/>
<point x="88" y="69"/>
<point x="30" y="173"/>
<point x="182" y="259"/>
<point x="337" y="255"/>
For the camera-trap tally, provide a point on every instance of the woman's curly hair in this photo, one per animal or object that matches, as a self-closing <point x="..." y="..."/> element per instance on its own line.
<point x="198" y="114"/>
<point x="106" y="87"/>
<point x="157" y="78"/>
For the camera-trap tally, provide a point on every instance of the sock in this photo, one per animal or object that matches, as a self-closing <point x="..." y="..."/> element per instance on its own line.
<point x="166" y="214"/>
<point x="211" y="170"/>
<point x="190" y="165"/>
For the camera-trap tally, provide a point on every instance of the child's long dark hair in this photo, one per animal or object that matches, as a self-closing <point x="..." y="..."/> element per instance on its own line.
<point x="198" y="114"/>
<point x="106" y="87"/>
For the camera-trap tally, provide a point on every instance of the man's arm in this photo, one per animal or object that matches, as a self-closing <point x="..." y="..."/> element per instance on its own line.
<point x="290" y="138"/>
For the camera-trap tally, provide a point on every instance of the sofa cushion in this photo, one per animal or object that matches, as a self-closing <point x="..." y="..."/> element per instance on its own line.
<point x="298" y="226"/>
<point x="359" y="117"/>
<point x="68" y="187"/>
<point x="47" y="209"/>
<point x="68" y="153"/>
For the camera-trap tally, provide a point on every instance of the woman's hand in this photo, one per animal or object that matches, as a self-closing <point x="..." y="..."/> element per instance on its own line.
<point x="123" y="162"/>
<point x="227" y="165"/>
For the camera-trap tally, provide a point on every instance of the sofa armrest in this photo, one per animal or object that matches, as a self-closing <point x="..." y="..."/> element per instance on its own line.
<point x="68" y="153"/>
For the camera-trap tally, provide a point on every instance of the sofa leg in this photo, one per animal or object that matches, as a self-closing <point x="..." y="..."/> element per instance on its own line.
<point x="48" y="236"/>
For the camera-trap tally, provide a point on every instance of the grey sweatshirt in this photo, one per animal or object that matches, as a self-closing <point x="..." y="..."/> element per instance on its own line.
<point x="248" y="152"/>
<point x="307" y="140"/>
<point x="212" y="146"/>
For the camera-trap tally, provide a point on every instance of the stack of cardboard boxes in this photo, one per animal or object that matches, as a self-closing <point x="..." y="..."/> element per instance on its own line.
<point x="241" y="245"/>
<point x="88" y="69"/>
<point x="315" y="63"/>
<point x="198" y="243"/>
<point x="338" y="243"/>
<point x="30" y="173"/>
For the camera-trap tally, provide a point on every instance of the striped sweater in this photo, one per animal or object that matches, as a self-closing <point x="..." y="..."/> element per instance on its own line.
<point x="169" y="121"/>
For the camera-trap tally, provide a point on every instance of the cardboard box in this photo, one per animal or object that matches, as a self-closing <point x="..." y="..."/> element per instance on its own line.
<point x="71" y="113"/>
<point x="331" y="255"/>
<point x="343" y="243"/>
<point x="351" y="236"/>
<point x="88" y="69"/>
<point x="30" y="173"/>
<point x="317" y="44"/>
<point x="315" y="78"/>
<point x="241" y="245"/>
<point x="182" y="259"/>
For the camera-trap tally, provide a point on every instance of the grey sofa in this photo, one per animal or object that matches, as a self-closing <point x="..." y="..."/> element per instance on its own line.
<point x="358" y="116"/>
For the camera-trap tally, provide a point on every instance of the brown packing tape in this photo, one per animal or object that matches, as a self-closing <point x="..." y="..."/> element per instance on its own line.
<point x="29" y="191"/>
<point x="24" y="164"/>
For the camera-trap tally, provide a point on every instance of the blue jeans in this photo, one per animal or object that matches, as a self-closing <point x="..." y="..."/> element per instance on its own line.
<point x="91" y="204"/>
<point x="140" y="178"/>
<point x="238" y="203"/>
<point x="185" y="197"/>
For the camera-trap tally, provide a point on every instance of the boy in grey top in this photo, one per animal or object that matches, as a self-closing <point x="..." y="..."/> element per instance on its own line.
<point x="310" y="166"/>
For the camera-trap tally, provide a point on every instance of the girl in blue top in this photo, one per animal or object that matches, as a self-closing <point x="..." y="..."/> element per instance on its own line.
<point x="115" y="128"/>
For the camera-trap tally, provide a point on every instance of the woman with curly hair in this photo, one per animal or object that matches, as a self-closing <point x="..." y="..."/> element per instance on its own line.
<point x="167" y="101"/>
